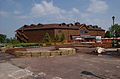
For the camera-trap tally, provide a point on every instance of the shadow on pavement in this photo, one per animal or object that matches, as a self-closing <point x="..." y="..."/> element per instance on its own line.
<point x="90" y="73"/>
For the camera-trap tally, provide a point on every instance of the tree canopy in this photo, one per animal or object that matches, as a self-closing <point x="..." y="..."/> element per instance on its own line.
<point x="107" y="34"/>
<point x="2" y="38"/>
<point x="115" y="30"/>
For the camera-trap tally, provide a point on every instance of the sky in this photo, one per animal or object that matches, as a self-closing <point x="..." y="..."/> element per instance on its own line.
<point x="16" y="13"/>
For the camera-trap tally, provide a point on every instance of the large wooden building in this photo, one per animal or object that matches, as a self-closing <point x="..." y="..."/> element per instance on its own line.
<point x="35" y="33"/>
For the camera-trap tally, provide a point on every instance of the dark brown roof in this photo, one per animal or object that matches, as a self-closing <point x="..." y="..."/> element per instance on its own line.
<point x="90" y="27"/>
<point x="55" y="26"/>
<point x="47" y="26"/>
<point x="96" y="29"/>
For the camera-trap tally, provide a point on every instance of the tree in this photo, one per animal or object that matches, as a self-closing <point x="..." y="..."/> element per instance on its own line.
<point x="11" y="40"/>
<point x="115" y="30"/>
<point x="8" y="40"/>
<point x="2" y="38"/>
<point x="47" y="37"/>
<point x="62" y="37"/>
<point x="14" y="41"/>
<point x="107" y="34"/>
<point x="56" y="37"/>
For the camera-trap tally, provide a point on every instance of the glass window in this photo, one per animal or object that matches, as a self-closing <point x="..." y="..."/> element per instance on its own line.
<point x="81" y="31"/>
<point x="86" y="31"/>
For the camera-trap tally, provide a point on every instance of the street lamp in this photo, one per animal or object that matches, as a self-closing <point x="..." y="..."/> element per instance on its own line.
<point x="113" y="17"/>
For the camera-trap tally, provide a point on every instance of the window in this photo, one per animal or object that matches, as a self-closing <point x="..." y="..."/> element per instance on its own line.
<point x="86" y="31"/>
<point x="81" y="31"/>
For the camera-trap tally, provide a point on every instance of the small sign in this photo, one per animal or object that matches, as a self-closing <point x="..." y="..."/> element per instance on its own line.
<point x="98" y="38"/>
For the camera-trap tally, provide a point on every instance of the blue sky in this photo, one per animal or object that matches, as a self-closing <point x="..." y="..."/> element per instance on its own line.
<point x="16" y="13"/>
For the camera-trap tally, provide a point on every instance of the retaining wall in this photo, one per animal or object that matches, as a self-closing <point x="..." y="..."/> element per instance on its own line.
<point x="60" y="52"/>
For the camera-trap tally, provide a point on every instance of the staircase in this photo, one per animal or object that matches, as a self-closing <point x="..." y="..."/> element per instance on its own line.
<point x="23" y="38"/>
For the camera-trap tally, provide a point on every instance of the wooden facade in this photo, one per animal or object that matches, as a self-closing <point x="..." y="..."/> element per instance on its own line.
<point x="35" y="33"/>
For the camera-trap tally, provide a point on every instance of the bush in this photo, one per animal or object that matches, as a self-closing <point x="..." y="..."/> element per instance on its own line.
<point x="62" y="37"/>
<point x="47" y="38"/>
<point x="27" y="44"/>
<point x="56" y="37"/>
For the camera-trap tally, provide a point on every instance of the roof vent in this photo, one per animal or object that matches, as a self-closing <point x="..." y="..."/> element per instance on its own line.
<point x="63" y="24"/>
<point x="70" y="24"/>
<point x="39" y="24"/>
<point x="77" y="23"/>
<point x="32" y="25"/>
<point x="95" y="26"/>
<point x="89" y="26"/>
<point x="25" y="26"/>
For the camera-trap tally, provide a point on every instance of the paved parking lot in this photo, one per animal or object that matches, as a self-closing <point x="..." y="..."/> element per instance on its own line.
<point x="78" y="66"/>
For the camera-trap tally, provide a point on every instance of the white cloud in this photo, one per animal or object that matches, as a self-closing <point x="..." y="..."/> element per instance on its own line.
<point x="3" y="13"/>
<point x="22" y="17"/>
<point x="45" y="8"/>
<point x="97" y="6"/>
<point x="51" y="12"/>
<point x="16" y="12"/>
<point x="85" y="15"/>
<point x="47" y="12"/>
<point x="75" y="10"/>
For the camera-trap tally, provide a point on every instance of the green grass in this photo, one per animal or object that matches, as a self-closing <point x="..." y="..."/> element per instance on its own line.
<point x="27" y="44"/>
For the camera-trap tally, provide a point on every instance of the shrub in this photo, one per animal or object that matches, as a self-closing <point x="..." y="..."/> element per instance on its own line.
<point x="62" y="37"/>
<point x="27" y="44"/>
<point x="56" y="37"/>
<point x="47" y="38"/>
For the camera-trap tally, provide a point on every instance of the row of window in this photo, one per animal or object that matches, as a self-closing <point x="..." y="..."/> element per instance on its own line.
<point x="81" y="31"/>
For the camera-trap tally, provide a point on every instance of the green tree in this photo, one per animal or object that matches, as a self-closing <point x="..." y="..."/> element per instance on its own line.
<point x="115" y="30"/>
<point x="2" y="38"/>
<point x="47" y="37"/>
<point x="62" y="37"/>
<point x="8" y="40"/>
<point x="14" y="41"/>
<point x="107" y="34"/>
<point x="56" y="37"/>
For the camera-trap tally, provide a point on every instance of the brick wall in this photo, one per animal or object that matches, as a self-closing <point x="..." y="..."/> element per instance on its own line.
<point x="97" y="33"/>
<point x="92" y="32"/>
<point x="67" y="33"/>
<point x="38" y="35"/>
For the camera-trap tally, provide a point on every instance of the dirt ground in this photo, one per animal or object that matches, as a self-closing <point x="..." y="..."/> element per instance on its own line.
<point x="78" y="66"/>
